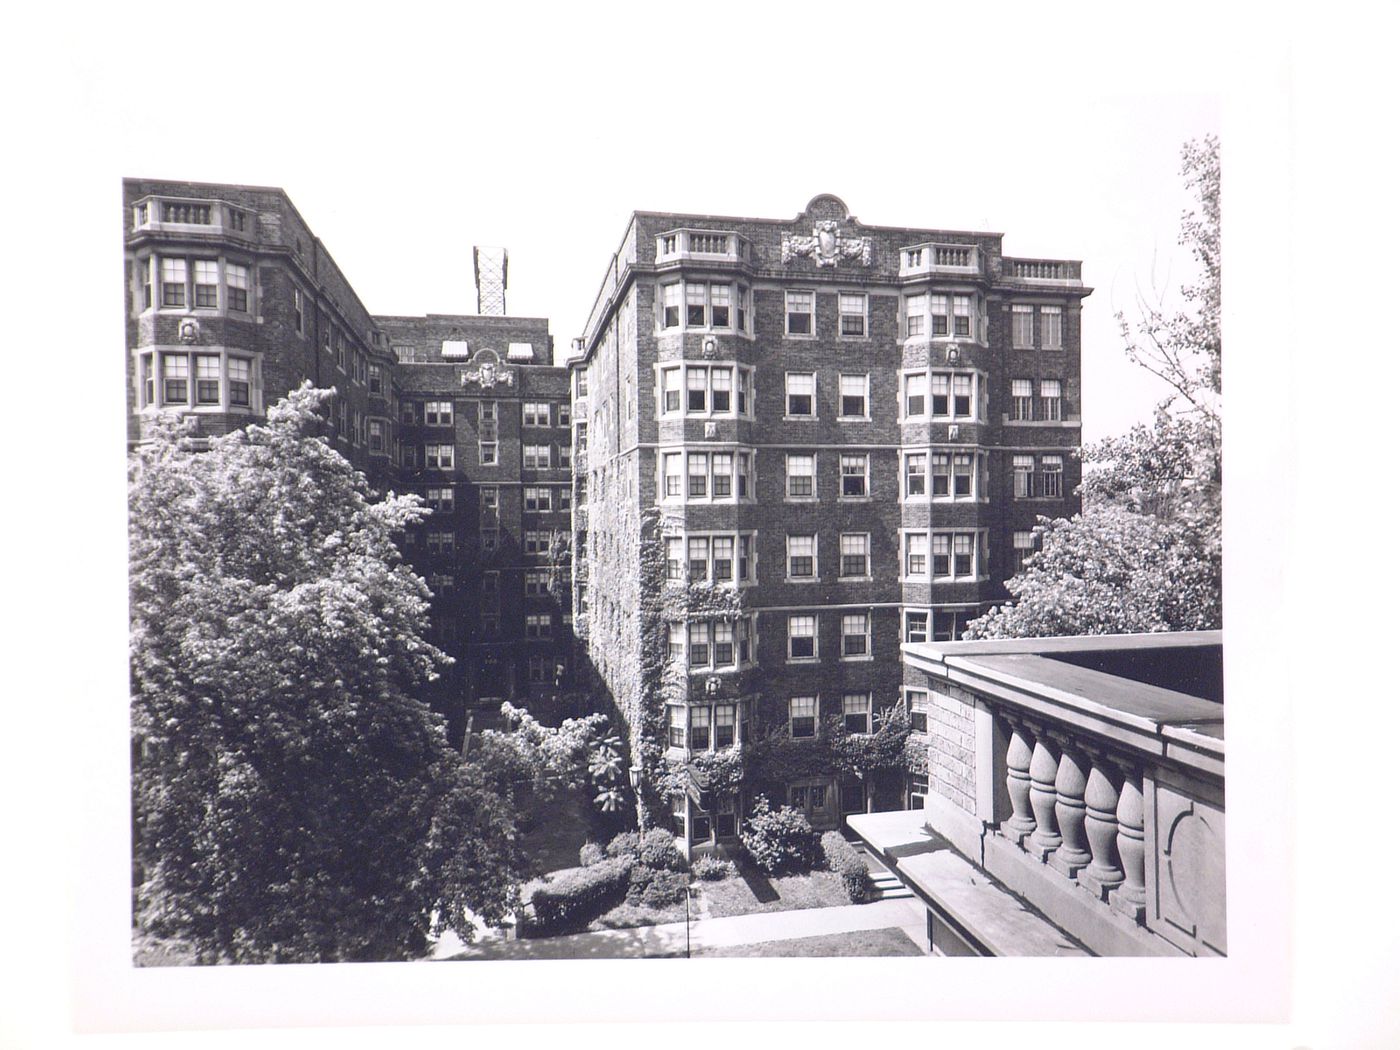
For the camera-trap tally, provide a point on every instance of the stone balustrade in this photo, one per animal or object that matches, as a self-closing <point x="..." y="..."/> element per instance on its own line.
<point x="1058" y="271"/>
<point x="939" y="258"/>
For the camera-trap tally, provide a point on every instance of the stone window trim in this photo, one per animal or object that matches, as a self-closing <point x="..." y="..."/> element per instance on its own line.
<point x="153" y="395"/>
<point x="720" y="381"/>
<point x="805" y="489"/>
<point x="856" y="638"/>
<point x="943" y="314"/>
<point x="742" y="550"/>
<point x="802" y="554"/>
<point x="944" y="555"/>
<point x="179" y="283"/>
<point x="853" y="386"/>
<point x="800" y="303"/>
<point x="947" y="474"/>
<point x="799" y="389"/>
<point x="854" y="545"/>
<point x="854" y="485"/>
<point x="722" y="307"/>
<point x="803" y="634"/>
<point x="936" y="394"/>
<point x="715" y="646"/>
<point x="853" y="313"/>
<point x="674" y="489"/>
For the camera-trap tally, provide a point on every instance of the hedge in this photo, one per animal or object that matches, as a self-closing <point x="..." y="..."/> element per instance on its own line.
<point x="580" y="895"/>
<point x="842" y="858"/>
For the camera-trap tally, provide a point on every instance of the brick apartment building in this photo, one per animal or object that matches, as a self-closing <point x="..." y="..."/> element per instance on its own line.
<point x="232" y="301"/>
<point x="799" y="443"/>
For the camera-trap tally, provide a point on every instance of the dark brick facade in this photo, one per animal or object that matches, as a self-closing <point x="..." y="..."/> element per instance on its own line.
<point x="672" y="270"/>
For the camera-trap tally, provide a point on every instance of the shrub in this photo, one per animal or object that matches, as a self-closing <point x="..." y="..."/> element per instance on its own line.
<point x="624" y="844"/>
<point x="842" y="858"/>
<point x="657" y="849"/>
<point x="579" y="895"/>
<point x="780" y="840"/>
<point x="589" y="854"/>
<point x="665" y="887"/>
<point x="711" y="868"/>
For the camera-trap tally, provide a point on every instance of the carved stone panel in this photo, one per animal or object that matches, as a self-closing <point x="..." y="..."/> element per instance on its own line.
<point x="1187" y="905"/>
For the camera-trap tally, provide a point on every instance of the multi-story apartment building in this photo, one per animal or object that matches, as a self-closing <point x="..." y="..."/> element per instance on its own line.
<point x="232" y="301"/>
<point x="798" y="444"/>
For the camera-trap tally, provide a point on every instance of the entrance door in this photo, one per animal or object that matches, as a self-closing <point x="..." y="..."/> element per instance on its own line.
<point x="817" y="802"/>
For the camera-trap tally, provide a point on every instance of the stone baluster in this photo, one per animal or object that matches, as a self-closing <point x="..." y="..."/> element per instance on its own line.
<point x="1045" y="764"/>
<point x="1130" y="898"/>
<point x="1071" y="777"/>
<point x="1104" y="872"/>
<point x="1018" y="785"/>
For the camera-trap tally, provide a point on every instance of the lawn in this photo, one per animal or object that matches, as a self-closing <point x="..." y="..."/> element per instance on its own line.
<point x="890" y="941"/>
<point x="732" y="896"/>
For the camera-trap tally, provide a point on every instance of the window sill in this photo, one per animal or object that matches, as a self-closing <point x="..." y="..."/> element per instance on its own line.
<point x="801" y="579"/>
<point x="853" y="419"/>
<point x="803" y="660"/>
<point x="801" y="499"/>
<point x="853" y="499"/>
<point x="866" y="659"/>
<point x="799" y="419"/>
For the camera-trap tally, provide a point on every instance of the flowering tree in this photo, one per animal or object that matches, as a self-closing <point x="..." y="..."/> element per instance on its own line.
<point x="293" y="800"/>
<point x="1146" y="554"/>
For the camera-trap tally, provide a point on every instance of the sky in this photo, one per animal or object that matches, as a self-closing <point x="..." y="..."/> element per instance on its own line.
<point x="404" y="146"/>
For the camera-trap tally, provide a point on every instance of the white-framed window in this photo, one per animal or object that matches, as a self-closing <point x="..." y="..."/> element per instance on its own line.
<point x="439" y="498"/>
<point x="534" y="414"/>
<point x="722" y="559"/>
<point x="489" y="501"/>
<point x="566" y="497"/>
<point x="855" y="475"/>
<point x="236" y="279"/>
<point x="675" y="728"/>
<point x="566" y="457"/>
<point x="916" y="315"/>
<point x="490" y="537"/>
<point x="206" y="283"/>
<point x="671" y="305"/>
<point x="916" y="703"/>
<point x="942" y="395"/>
<point x="1050" y="404"/>
<point x="802" y="637"/>
<point x="916" y="625"/>
<point x="855" y="712"/>
<point x="698" y="475"/>
<point x="539" y="499"/>
<point x="800" y="312"/>
<point x="708" y="390"/>
<point x="722" y="475"/>
<point x="1022" y="400"/>
<point x="855" y="555"/>
<point x="855" y="636"/>
<point x="208" y="390"/>
<point x="1051" y="330"/>
<point x="916" y="554"/>
<point x="440" y="541"/>
<point x="801" y="476"/>
<point x="855" y="396"/>
<point x="949" y="624"/>
<point x="1022" y="476"/>
<point x="536" y="457"/>
<point x="536" y="581"/>
<point x="299" y="311"/>
<point x="1022" y="547"/>
<point x="1052" y="476"/>
<point x="489" y="453"/>
<point x="438" y="457"/>
<point x="671" y="475"/>
<point x="537" y="541"/>
<point x="1022" y="326"/>
<point x="802" y="717"/>
<point x="915" y="395"/>
<point x="440" y="583"/>
<point x="802" y="557"/>
<point x="963" y="474"/>
<point x="699" y="737"/>
<point x="801" y="394"/>
<point x="852" y="308"/>
<point x="174" y="280"/>
<point x="697" y="558"/>
<point x="437" y="413"/>
<point x="240" y="381"/>
<point x="537" y="672"/>
<point x="915" y="475"/>
<point x="710" y="645"/>
<point x="539" y="625"/>
<point x="376" y="379"/>
<point x="945" y="555"/>
<point x="564" y="415"/>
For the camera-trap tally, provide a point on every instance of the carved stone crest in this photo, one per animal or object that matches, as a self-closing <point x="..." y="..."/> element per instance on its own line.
<point x="487" y="375"/>
<point x="827" y="245"/>
<point x="189" y="331"/>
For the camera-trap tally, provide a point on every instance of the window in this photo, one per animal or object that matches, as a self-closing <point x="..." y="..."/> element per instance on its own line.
<point x="537" y="670"/>
<point x="670" y="308"/>
<point x="206" y="379"/>
<point x="670" y="390"/>
<point x="671" y="475"/>
<point x="1022" y="326"/>
<point x="240" y="381"/>
<point x="852" y="310"/>
<point x="938" y="309"/>
<point x="745" y="391"/>
<point x="802" y="717"/>
<point x="855" y="554"/>
<point x="206" y="283"/>
<point x="408" y="414"/>
<point x="855" y="475"/>
<point x="722" y="474"/>
<point x="801" y="476"/>
<point x="1022" y="546"/>
<point x="916" y="626"/>
<point x="175" y="369"/>
<point x="539" y="626"/>
<point x="939" y="386"/>
<point x="675" y="646"/>
<point x="376" y="379"/>
<point x="745" y="559"/>
<point x="534" y="414"/>
<point x="697" y="466"/>
<point x="724" y="725"/>
<point x="438" y="457"/>
<point x="583" y="384"/>
<point x="696" y="399"/>
<point x="801" y="394"/>
<point x="437" y="413"/>
<point x="539" y="500"/>
<point x="855" y="712"/>
<point x="1022" y="472"/>
<point x="441" y="542"/>
<point x="537" y="541"/>
<point x="720" y="295"/>
<point x="488" y="452"/>
<point x="855" y="636"/>
<point x="440" y="583"/>
<point x="802" y="557"/>
<point x="1050" y="399"/>
<point x="1022" y="399"/>
<point x="915" y="309"/>
<point x="173" y="275"/>
<point x="299" y="310"/>
<point x="536" y="457"/>
<point x="536" y="582"/>
<point x="675" y="732"/>
<point x="802" y="637"/>
<point x="439" y="498"/>
<point x="237" y="278"/>
<point x="490" y="501"/>
<point x="854" y="396"/>
<point x="962" y="554"/>
<point x="564" y="416"/>
<point x="721" y="382"/>
<point x="566" y="457"/>
<point x="1050" y="332"/>
<point x="147" y="295"/>
<point x="962" y="315"/>
<point x="745" y="307"/>
<point x="962" y="396"/>
<point x="915" y="395"/>
<point x="915" y="554"/>
<point x="744" y="462"/>
<point x="1052" y="476"/>
<point x="916" y="703"/>
<point x="916" y="474"/>
<point x="949" y="624"/>
<point x="708" y="390"/>
<point x="706" y="305"/>
<point x="698" y="558"/>
<point x="700" y="728"/>
<point x="723" y="633"/>
<point x="723" y="559"/>
<point x="962" y="474"/>
<point x="801" y="308"/>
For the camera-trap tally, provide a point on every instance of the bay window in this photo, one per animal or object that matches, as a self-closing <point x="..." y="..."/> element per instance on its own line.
<point x="206" y="283"/>
<point x="945" y="555"/>
<point x="709" y="390"/>
<point x="705" y="476"/>
<point x="943" y="395"/>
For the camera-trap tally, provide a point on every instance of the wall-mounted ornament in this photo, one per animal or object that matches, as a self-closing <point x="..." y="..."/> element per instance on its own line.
<point x="487" y="375"/>
<point x="827" y="245"/>
<point x="953" y="432"/>
<point x="189" y="331"/>
<point x="953" y="354"/>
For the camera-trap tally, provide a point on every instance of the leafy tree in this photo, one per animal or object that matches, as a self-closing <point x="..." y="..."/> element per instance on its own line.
<point x="293" y="801"/>
<point x="1145" y="555"/>
<point x="548" y="760"/>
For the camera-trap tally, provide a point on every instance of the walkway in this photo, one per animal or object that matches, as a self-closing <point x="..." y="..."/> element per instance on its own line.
<point x="669" y="940"/>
